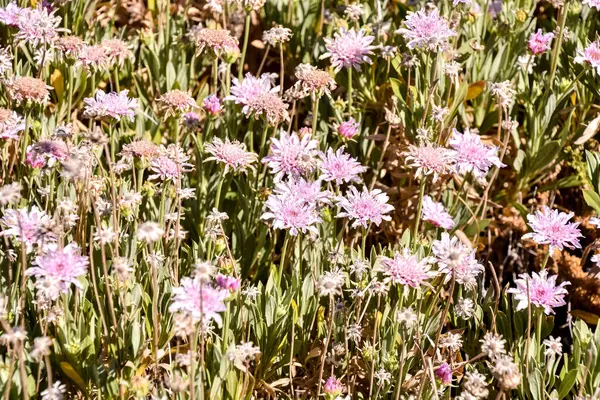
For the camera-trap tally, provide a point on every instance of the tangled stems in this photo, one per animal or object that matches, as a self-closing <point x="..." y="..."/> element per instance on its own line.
<point x="326" y="345"/>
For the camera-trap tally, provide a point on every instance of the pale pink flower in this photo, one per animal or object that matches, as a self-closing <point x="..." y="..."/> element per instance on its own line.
<point x="592" y="3"/>
<point x="200" y="301"/>
<point x="426" y="29"/>
<point x="291" y="156"/>
<point x="212" y="105"/>
<point x="23" y="89"/>
<point x="340" y="167"/>
<point x="539" y="42"/>
<point x="46" y="153"/>
<point x="455" y="258"/>
<point x="69" y="45"/>
<point x="313" y="81"/>
<point x="170" y="164"/>
<point x="552" y="227"/>
<point x="11" y="124"/>
<point x="306" y="191"/>
<point x="277" y="34"/>
<point x="219" y="41"/>
<point x="110" y="106"/>
<point x="348" y="129"/>
<point x="5" y="60"/>
<point x="117" y="51"/>
<point x="11" y="14"/>
<point x="228" y="282"/>
<point x="543" y="291"/>
<point x="291" y="213"/>
<point x="175" y="102"/>
<point x="406" y="269"/>
<point x="435" y="213"/>
<point x="430" y="159"/>
<point x="29" y="227"/>
<point x="63" y="266"/>
<point x="591" y="56"/>
<point x="249" y="89"/>
<point x="444" y="374"/>
<point x="471" y="155"/>
<point x="93" y="57"/>
<point x="365" y="207"/>
<point x="232" y="154"/>
<point x="349" y="48"/>
<point x="37" y="25"/>
<point x="269" y="105"/>
<point x="333" y="386"/>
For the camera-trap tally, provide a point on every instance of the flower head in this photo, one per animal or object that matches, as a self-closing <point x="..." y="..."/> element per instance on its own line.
<point x="539" y="42"/>
<point x="313" y="81"/>
<point x="11" y="124"/>
<point x="277" y="34"/>
<point x="435" y="213"/>
<point x="113" y="106"/>
<point x="23" y="89"/>
<point x="365" y="207"/>
<point x="200" y="301"/>
<point x="117" y="51"/>
<point x="426" y="29"/>
<point x="219" y="41"/>
<point x="270" y="105"/>
<point x="69" y="45"/>
<point x="406" y="269"/>
<point x="228" y="282"/>
<point x="93" y="57"/>
<point x="552" y="227"/>
<point x="290" y="212"/>
<point x="37" y="25"/>
<point x="63" y="266"/>
<point x="291" y="156"/>
<point x="504" y="93"/>
<point x="340" y="167"/>
<point x="543" y="291"/>
<point x="170" y="163"/>
<point x="592" y="4"/>
<point x="306" y="191"/>
<point x="429" y="159"/>
<point x="5" y="60"/>
<point x="29" y="227"/>
<point x="348" y="129"/>
<point x="456" y="259"/>
<point x="250" y="88"/>
<point x="46" y="153"/>
<point x="444" y="373"/>
<point x="591" y="56"/>
<point x="11" y="14"/>
<point x="175" y="102"/>
<point x="150" y="232"/>
<point x="212" y="105"/>
<point x="349" y="48"/>
<point x="553" y="347"/>
<point x="471" y="155"/>
<point x="232" y="154"/>
<point x="331" y="283"/>
<point x="333" y="386"/>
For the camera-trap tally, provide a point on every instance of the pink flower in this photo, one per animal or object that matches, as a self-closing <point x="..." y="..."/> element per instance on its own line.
<point x="200" y="301"/>
<point x="365" y="207"/>
<point x="112" y="106"/>
<point x="93" y="57"/>
<point x="46" y="153"/>
<point x="232" y="154"/>
<point x="426" y="29"/>
<point x="348" y="129"/>
<point x="228" y="282"/>
<point x="349" y="49"/>
<point x="471" y="155"/>
<point x="435" y="213"/>
<point x="444" y="373"/>
<point x="406" y="269"/>
<point x="430" y="159"/>
<point x="11" y="124"/>
<point x="291" y="156"/>
<point x="540" y="43"/>
<point x="340" y="167"/>
<point x="37" y="25"/>
<point x="212" y="105"/>
<point x="590" y="55"/>
<point x="270" y="105"/>
<point x="552" y="227"/>
<point x="333" y="386"/>
<point x="543" y="291"/>
<point x="62" y="266"/>
<point x="169" y="165"/>
<point x="306" y="191"/>
<point x="291" y="212"/>
<point x="592" y="3"/>
<point x="249" y="89"/>
<point x="11" y="14"/>
<point x="455" y="258"/>
<point x="29" y="227"/>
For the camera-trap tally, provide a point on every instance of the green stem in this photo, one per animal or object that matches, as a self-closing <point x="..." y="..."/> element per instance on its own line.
<point x="245" y="48"/>
<point x="283" y="257"/>
<point x="557" y="45"/>
<point x="315" y="114"/>
<point x="350" y="90"/>
<point x="419" y="207"/>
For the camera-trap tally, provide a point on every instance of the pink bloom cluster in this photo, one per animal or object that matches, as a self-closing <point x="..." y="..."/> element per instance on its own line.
<point x="11" y="124"/>
<point x="29" y="227"/>
<point x="62" y="267"/>
<point x="552" y="227"/>
<point x="426" y="29"/>
<point x="340" y="167"/>
<point x="212" y="105"/>
<point x="349" y="49"/>
<point x="232" y="154"/>
<point x="591" y="56"/>
<point x="456" y="259"/>
<point x="543" y="291"/>
<point x="435" y="213"/>
<point x="46" y="153"/>
<point x="201" y="301"/>
<point x="228" y="282"/>
<point x="539" y="42"/>
<point x="406" y="269"/>
<point x="291" y="156"/>
<point x="289" y="212"/>
<point x="365" y="207"/>
<point x="471" y="155"/>
<point x="348" y="129"/>
<point x="110" y="106"/>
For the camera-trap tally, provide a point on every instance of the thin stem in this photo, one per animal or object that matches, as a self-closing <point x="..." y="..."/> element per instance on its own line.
<point x="419" y="207"/>
<point x="245" y="48"/>
<point x="329" y="330"/>
<point x="350" y="90"/>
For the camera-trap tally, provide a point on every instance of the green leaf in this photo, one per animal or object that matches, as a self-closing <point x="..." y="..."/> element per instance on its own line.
<point x="476" y="227"/>
<point x="395" y="83"/>
<point x="535" y="384"/>
<point x="545" y="157"/>
<point x="567" y="384"/>
<point x="592" y="199"/>
<point x="518" y="163"/>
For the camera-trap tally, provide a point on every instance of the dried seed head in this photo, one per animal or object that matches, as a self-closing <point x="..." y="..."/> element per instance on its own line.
<point x="27" y="88"/>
